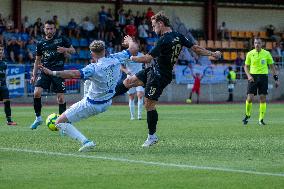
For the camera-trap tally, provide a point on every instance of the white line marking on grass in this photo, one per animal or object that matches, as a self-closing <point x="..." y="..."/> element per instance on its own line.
<point x="161" y="164"/>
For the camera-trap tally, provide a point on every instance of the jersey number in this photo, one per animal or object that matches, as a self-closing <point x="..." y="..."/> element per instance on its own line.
<point x="176" y="50"/>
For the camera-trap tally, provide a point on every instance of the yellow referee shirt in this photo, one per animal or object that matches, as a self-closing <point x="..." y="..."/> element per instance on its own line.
<point x="258" y="61"/>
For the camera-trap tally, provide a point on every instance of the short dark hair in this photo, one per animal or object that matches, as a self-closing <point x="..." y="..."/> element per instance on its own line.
<point x="257" y="38"/>
<point x="49" y="22"/>
<point x="230" y="68"/>
<point x="161" y="17"/>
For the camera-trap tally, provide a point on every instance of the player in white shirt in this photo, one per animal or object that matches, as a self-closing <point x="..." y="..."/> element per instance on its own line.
<point x="103" y="74"/>
<point x="131" y="68"/>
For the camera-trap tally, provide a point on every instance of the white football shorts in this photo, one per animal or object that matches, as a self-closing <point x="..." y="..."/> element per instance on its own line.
<point x="84" y="109"/>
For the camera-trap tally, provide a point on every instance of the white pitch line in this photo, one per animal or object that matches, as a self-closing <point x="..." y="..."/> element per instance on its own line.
<point x="147" y="162"/>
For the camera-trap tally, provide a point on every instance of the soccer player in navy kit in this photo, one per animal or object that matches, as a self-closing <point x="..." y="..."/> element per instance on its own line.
<point x="156" y="77"/>
<point x="50" y="52"/>
<point x="4" y="92"/>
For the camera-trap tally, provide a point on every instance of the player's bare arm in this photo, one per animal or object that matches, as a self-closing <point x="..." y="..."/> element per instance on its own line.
<point x="36" y="64"/>
<point x="202" y="51"/>
<point x="124" y="69"/>
<point x="64" y="50"/>
<point x="142" y="59"/>
<point x="250" y="78"/>
<point x="66" y="74"/>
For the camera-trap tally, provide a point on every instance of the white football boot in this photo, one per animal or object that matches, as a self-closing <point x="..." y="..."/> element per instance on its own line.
<point x="88" y="146"/>
<point x="151" y="140"/>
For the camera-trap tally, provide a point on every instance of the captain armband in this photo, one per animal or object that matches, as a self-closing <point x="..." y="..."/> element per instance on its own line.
<point x="275" y="77"/>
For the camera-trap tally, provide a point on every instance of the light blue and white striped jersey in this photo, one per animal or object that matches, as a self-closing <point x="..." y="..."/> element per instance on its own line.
<point x="104" y="75"/>
<point x="133" y="67"/>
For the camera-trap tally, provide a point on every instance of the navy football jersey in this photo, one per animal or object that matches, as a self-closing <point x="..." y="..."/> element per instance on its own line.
<point x="167" y="50"/>
<point x="47" y="49"/>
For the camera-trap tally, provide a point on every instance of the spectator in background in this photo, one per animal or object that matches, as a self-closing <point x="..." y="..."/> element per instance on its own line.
<point x="129" y="17"/>
<point x="38" y="26"/>
<point x="131" y="29"/>
<point x="2" y="24"/>
<point x="109" y="25"/>
<point x="121" y="18"/>
<point x="239" y="62"/>
<point x="276" y="52"/>
<point x="56" y="21"/>
<point x="87" y="27"/>
<point x="72" y="28"/>
<point x="270" y="31"/>
<point x="102" y="23"/>
<point x="196" y="87"/>
<point x="138" y="19"/>
<point x="31" y="49"/>
<point x="26" y="23"/>
<point x="149" y="14"/>
<point x="143" y="29"/>
<point x="150" y="41"/>
<point x="15" y="51"/>
<point x="231" y="77"/>
<point x="10" y="22"/>
<point x="223" y="31"/>
<point x="117" y="36"/>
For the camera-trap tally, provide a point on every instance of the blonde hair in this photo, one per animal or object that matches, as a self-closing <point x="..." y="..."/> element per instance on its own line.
<point x="97" y="46"/>
<point x="161" y="17"/>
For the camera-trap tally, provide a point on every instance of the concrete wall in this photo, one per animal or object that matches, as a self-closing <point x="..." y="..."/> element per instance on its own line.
<point x="5" y="7"/>
<point x="65" y="11"/>
<point x="250" y="19"/>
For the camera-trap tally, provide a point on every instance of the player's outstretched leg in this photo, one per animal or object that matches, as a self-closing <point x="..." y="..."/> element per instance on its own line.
<point x="120" y="89"/>
<point x="71" y="131"/>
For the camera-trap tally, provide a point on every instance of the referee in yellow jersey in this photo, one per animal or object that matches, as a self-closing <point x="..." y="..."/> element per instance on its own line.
<point x="256" y="68"/>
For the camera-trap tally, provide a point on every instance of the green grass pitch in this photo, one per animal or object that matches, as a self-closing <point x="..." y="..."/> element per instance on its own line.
<point x="200" y="146"/>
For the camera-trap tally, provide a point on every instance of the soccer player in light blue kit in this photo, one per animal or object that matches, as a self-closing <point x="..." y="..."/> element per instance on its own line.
<point x="131" y="68"/>
<point x="104" y="74"/>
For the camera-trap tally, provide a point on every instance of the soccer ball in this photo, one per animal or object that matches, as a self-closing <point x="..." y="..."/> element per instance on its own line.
<point x="50" y="121"/>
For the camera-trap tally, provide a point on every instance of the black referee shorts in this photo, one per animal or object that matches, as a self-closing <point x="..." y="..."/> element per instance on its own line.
<point x="56" y="84"/>
<point x="154" y="83"/>
<point x="259" y="86"/>
<point x="4" y="93"/>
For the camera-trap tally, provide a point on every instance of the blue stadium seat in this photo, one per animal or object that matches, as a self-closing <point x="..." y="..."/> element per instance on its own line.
<point x="75" y="42"/>
<point x="84" y="42"/>
<point x="83" y="54"/>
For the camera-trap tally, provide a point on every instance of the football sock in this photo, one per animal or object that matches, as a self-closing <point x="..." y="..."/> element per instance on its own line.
<point x="71" y="131"/>
<point x="190" y="95"/>
<point x="132" y="107"/>
<point x="37" y="106"/>
<point x="7" y="110"/>
<point x="152" y="119"/>
<point x="62" y="108"/>
<point x="248" y="108"/>
<point x="262" y="110"/>
<point x="120" y="89"/>
<point x="140" y="106"/>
